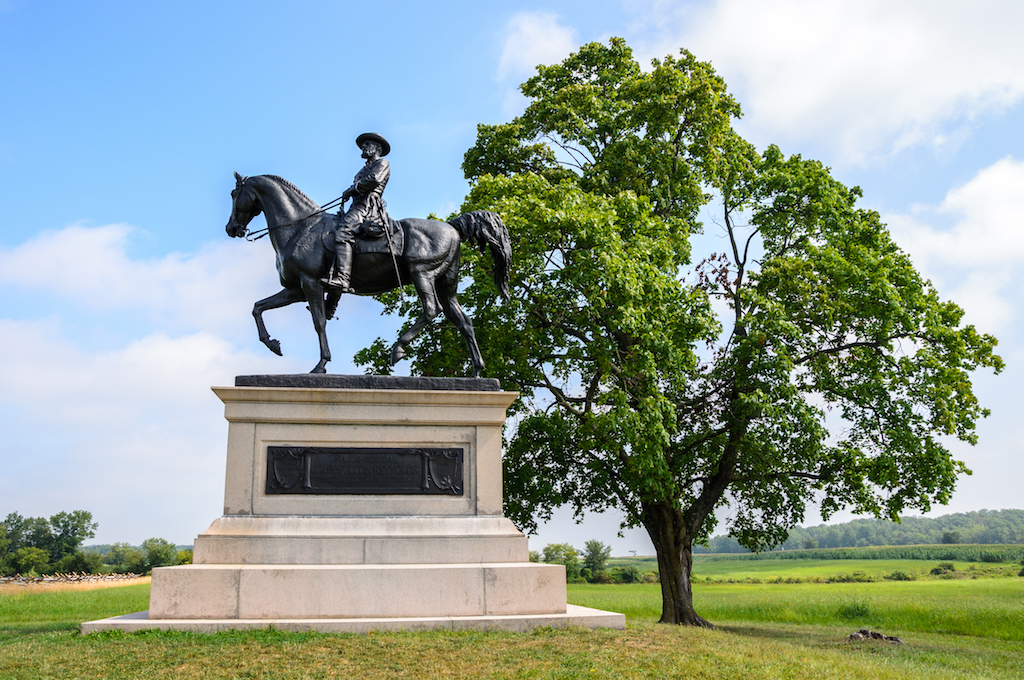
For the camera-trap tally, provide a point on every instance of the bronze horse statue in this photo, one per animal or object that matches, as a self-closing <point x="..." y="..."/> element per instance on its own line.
<point x="429" y="260"/>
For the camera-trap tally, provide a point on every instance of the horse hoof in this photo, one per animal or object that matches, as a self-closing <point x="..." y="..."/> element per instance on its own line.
<point x="275" y="346"/>
<point x="319" y="369"/>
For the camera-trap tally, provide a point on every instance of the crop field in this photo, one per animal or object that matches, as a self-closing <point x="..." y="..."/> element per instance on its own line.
<point x="970" y="625"/>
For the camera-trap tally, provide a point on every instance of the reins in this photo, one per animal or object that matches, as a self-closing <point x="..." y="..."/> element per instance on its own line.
<point x="340" y="200"/>
<point x="260" y="233"/>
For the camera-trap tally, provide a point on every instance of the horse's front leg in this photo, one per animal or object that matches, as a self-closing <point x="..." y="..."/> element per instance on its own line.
<point x="282" y="299"/>
<point x="314" y="292"/>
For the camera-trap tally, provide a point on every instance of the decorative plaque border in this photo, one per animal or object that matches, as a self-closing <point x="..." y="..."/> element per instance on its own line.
<point x="308" y="470"/>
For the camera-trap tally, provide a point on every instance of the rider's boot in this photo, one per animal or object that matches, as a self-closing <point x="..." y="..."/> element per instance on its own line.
<point x="343" y="270"/>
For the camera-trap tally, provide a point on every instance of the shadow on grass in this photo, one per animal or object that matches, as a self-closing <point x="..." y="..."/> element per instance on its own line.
<point x="812" y="634"/>
<point x="11" y="632"/>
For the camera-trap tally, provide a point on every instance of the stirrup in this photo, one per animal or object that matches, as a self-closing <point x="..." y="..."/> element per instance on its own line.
<point x="337" y="284"/>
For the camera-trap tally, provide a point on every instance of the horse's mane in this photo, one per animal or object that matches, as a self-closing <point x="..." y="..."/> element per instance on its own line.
<point x="291" y="186"/>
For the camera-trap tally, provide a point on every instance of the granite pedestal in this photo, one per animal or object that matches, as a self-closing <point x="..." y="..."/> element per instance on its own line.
<point x="289" y="555"/>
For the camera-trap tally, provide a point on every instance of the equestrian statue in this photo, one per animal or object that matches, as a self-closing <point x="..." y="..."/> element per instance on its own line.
<point x="321" y="255"/>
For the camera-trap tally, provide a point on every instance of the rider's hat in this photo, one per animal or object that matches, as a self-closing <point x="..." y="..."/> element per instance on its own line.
<point x="385" y="148"/>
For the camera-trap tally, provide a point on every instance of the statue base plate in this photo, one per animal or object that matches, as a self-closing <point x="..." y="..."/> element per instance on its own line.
<point x="583" y="617"/>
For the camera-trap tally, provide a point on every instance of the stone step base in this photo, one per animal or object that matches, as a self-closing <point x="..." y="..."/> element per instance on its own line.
<point x="360" y="540"/>
<point x="583" y="617"/>
<point x="301" y="591"/>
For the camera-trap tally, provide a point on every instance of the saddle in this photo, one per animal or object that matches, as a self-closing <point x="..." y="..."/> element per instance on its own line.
<point x="371" y="238"/>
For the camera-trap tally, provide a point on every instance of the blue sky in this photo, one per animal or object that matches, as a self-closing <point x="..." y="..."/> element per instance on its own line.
<point x="122" y="300"/>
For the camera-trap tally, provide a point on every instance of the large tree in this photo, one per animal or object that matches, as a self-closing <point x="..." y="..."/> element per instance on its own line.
<point x="61" y="535"/>
<point x="804" y="359"/>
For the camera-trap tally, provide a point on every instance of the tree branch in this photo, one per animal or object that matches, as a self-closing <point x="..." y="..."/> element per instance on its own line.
<point x="860" y="343"/>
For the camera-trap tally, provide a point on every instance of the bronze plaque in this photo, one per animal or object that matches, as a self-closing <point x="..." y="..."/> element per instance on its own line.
<point x="335" y="470"/>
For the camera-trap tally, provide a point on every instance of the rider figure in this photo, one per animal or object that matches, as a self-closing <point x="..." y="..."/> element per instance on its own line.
<point x="367" y="205"/>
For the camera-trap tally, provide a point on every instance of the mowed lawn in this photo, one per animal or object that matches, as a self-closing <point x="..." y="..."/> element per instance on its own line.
<point x="989" y="608"/>
<point x="962" y="628"/>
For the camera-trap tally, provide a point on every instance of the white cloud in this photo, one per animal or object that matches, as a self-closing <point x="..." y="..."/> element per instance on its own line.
<point x="90" y="267"/>
<point x="862" y="77"/>
<point x="534" y="38"/>
<point x="42" y="365"/>
<point x="978" y="261"/>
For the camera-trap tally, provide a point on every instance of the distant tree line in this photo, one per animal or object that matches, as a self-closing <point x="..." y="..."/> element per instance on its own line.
<point x="590" y="564"/>
<point x="37" y="545"/>
<point x="982" y="526"/>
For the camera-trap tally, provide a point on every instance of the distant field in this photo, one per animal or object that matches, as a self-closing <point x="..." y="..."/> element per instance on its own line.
<point x="841" y="570"/>
<point x="991" y="553"/>
<point x="875" y="562"/>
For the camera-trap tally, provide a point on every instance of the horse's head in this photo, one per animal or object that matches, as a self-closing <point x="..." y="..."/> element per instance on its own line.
<point x="245" y="205"/>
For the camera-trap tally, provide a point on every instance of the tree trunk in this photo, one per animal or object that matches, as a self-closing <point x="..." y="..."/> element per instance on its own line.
<point x="674" y="546"/>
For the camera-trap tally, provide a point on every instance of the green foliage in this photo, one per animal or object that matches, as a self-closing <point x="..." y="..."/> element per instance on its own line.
<point x="79" y="562"/>
<point x="982" y="526"/>
<point x="595" y="555"/>
<point x="70" y="529"/>
<point x="626" y="575"/>
<point x="154" y="552"/>
<point x="58" y="536"/>
<point x="943" y="568"/>
<point x="159" y="553"/>
<point x="28" y="532"/>
<point x="565" y="554"/>
<point x="124" y="559"/>
<point x="835" y="371"/>
<point x="29" y="560"/>
<point x="899" y="576"/>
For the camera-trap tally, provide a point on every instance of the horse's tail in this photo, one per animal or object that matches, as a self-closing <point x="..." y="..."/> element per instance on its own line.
<point x="485" y="229"/>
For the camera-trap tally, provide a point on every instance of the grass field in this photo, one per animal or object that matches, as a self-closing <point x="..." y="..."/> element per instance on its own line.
<point x="967" y="628"/>
<point x="734" y="568"/>
<point x="1006" y="555"/>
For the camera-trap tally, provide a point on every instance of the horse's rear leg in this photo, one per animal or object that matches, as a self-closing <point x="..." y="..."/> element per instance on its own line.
<point x="314" y="293"/>
<point x="453" y="310"/>
<point x="424" y="282"/>
<point x="282" y="299"/>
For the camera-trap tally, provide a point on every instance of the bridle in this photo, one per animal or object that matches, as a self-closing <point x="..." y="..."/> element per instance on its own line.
<point x="260" y="233"/>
